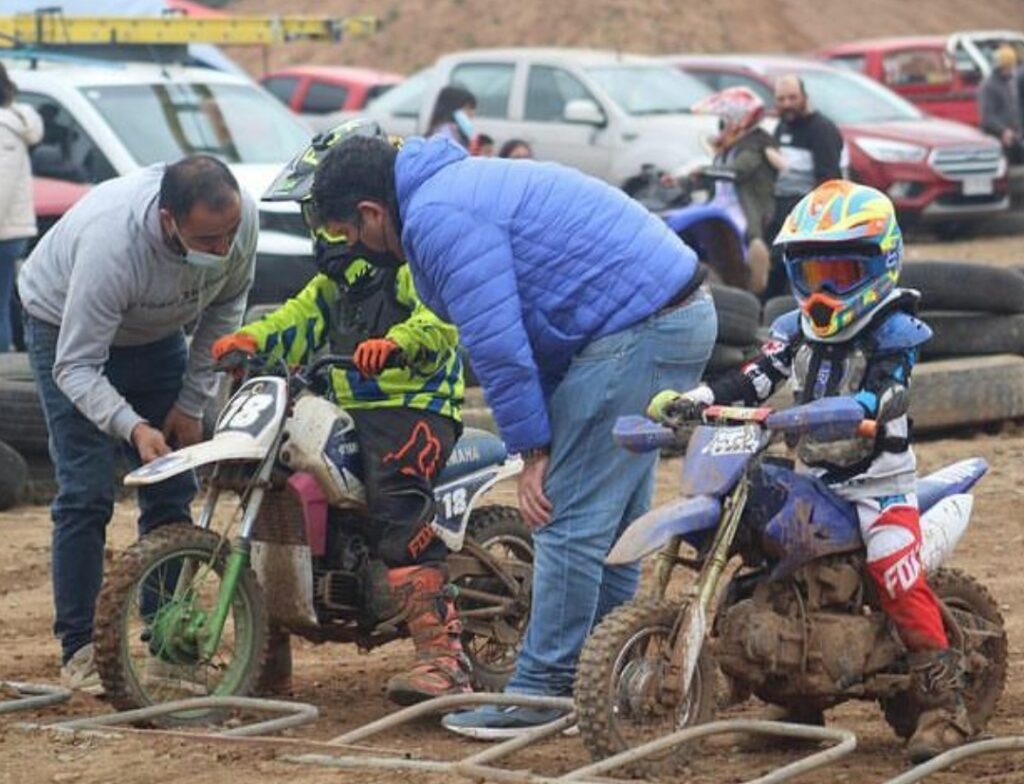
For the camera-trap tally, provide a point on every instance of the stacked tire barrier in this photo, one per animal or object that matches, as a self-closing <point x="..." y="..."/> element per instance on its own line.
<point x="22" y="428"/>
<point x="739" y="328"/>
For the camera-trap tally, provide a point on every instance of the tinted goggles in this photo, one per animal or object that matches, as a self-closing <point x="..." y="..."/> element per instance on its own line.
<point x="837" y="274"/>
<point x="316" y="225"/>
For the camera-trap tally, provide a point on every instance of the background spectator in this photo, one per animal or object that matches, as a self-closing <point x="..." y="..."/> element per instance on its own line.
<point x="999" y="104"/>
<point x="812" y="147"/>
<point x="453" y="114"/>
<point x="483" y="145"/>
<point x="515" y="148"/>
<point x="20" y="127"/>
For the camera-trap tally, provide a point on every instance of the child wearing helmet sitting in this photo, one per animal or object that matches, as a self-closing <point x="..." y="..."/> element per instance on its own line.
<point x="407" y="418"/>
<point x="855" y="334"/>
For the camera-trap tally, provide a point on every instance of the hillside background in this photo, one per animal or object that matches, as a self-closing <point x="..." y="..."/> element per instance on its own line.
<point x="417" y="31"/>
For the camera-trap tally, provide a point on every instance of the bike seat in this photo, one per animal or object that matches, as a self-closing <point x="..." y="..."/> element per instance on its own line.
<point x="956" y="478"/>
<point x="476" y="449"/>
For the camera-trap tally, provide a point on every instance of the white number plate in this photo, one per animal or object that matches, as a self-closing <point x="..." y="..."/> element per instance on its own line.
<point x="732" y="441"/>
<point x="978" y="186"/>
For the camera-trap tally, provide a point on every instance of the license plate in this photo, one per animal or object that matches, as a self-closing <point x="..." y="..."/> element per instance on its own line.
<point x="977" y="186"/>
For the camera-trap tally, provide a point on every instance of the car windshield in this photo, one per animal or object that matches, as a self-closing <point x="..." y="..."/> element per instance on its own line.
<point x="237" y="123"/>
<point x="649" y="89"/>
<point x="849" y="98"/>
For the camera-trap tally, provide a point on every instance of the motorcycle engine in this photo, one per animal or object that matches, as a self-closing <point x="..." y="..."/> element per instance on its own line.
<point x="806" y="637"/>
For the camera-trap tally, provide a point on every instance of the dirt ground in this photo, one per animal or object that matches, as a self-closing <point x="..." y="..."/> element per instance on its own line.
<point x="348" y="687"/>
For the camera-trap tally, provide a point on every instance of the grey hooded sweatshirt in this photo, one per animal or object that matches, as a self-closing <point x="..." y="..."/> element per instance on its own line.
<point x="106" y="277"/>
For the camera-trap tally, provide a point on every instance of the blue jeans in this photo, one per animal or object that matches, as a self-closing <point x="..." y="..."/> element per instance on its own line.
<point x="150" y="378"/>
<point x="10" y="252"/>
<point x="596" y="488"/>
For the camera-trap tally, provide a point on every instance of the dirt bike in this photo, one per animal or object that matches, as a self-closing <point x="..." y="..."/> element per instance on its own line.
<point x="798" y="623"/>
<point x="185" y="611"/>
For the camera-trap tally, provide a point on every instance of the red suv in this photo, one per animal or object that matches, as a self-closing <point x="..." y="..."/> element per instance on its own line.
<point x="934" y="170"/>
<point x="939" y="74"/>
<point x="323" y="89"/>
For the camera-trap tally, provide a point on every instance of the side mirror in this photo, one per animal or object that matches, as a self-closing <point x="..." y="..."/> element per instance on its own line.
<point x="583" y="111"/>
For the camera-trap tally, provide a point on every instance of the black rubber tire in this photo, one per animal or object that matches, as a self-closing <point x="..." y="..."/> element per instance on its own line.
<point x="964" y="334"/>
<point x="967" y="391"/>
<point x="13" y="476"/>
<point x="983" y="690"/>
<point x="725" y="357"/>
<point x="489" y="525"/>
<point x="953" y="285"/>
<point x="739" y="315"/>
<point x="597" y="707"/>
<point x="116" y="599"/>
<point x="22" y="423"/>
<point x="776" y="307"/>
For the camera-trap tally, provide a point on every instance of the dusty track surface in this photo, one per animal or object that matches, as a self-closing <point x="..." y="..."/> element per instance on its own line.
<point x="349" y="687"/>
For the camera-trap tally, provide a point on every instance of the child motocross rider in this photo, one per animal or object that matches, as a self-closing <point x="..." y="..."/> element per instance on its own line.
<point x="854" y="334"/>
<point x="407" y="418"/>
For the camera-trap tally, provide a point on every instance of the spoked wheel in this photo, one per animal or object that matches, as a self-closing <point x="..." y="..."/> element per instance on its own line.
<point x="619" y="686"/>
<point x="152" y="618"/>
<point x="985" y="652"/>
<point x="493" y="644"/>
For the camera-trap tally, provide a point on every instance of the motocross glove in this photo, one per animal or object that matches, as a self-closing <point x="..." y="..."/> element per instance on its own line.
<point x="371" y="356"/>
<point x="231" y="352"/>
<point x="672" y="407"/>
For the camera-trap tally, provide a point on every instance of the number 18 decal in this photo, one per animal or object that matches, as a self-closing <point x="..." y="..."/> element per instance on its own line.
<point x="454" y="502"/>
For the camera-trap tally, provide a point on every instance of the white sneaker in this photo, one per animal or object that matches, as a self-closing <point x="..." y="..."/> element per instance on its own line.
<point x="80" y="674"/>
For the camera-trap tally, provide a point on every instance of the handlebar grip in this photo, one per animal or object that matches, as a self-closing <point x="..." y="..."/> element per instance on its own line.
<point x="868" y="428"/>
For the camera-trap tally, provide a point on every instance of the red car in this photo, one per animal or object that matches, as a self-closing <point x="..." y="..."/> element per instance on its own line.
<point x="322" y="89"/>
<point x="939" y="74"/>
<point x="934" y="170"/>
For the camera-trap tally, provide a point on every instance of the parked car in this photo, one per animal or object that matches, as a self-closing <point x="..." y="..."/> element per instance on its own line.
<point x="939" y="74"/>
<point x="104" y="120"/>
<point x="605" y="113"/>
<point x="935" y="171"/>
<point x="314" y="90"/>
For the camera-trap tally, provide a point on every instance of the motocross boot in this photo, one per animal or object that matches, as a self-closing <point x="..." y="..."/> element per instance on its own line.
<point x="441" y="667"/>
<point x="938" y="680"/>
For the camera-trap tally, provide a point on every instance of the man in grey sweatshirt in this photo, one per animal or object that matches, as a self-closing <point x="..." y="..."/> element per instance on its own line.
<point x="106" y="294"/>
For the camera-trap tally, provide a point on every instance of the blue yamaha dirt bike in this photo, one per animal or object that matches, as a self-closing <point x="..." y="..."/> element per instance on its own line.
<point x="797" y="622"/>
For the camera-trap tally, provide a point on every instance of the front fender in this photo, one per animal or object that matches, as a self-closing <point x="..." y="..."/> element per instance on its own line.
<point x="229" y="445"/>
<point x="650" y="531"/>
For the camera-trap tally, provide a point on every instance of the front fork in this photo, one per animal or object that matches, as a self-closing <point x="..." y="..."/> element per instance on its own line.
<point x="209" y="630"/>
<point x="691" y="624"/>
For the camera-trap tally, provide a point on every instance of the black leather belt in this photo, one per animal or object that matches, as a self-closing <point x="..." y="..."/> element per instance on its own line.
<point x="685" y="292"/>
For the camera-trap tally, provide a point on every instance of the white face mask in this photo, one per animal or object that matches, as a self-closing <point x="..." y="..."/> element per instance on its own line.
<point x="202" y="259"/>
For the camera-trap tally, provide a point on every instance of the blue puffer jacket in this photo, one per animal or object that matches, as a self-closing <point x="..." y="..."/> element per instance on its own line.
<point x="531" y="261"/>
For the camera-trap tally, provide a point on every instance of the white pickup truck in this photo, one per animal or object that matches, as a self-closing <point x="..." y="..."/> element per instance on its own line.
<point x="605" y="113"/>
<point x="106" y="119"/>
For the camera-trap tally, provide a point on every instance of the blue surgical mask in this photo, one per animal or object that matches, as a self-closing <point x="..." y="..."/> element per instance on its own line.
<point x="465" y="124"/>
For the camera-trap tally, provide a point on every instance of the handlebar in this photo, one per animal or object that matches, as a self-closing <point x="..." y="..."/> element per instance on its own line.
<point x="301" y="378"/>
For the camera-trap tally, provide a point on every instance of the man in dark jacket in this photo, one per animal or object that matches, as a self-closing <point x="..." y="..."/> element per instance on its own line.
<point x="573" y="301"/>
<point x="999" y="105"/>
<point x="812" y="147"/>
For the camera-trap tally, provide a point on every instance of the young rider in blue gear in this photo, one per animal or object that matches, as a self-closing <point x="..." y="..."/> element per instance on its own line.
<point x="855" y="334"/>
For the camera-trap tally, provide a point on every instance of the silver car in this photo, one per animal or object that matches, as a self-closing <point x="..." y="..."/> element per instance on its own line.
<point x="605" y="113"/>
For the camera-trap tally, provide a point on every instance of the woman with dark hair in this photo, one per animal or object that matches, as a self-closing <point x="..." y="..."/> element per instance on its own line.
<point x="515" y="148"/>
<point x="20" y="127"/>
<point x="452" y="115"/>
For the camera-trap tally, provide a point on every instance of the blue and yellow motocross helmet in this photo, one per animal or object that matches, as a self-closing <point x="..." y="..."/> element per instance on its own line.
<point x="843" y="251"/>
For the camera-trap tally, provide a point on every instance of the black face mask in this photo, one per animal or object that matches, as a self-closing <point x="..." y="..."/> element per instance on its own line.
<point x="333" y="258"/>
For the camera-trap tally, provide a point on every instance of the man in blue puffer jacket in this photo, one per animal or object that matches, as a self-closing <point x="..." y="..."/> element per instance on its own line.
<point x="575" y="305"/>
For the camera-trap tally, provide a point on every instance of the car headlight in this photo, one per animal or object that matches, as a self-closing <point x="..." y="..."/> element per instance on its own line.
<point x="888" y="151"/>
